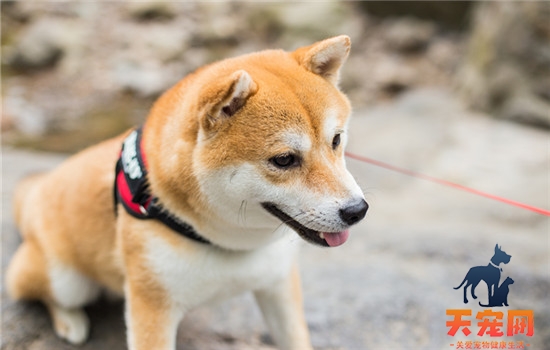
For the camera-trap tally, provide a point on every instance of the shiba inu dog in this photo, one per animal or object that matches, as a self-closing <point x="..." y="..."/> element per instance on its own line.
<point x="231" y="165"/>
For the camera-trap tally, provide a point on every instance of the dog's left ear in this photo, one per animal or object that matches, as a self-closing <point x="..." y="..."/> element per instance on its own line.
<point x="326" y="57"/>
<point x="222" y="99"/>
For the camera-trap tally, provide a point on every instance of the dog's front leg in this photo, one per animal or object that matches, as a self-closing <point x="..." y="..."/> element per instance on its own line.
<point x="283" y="312"/>
<point x="151" y="320"/>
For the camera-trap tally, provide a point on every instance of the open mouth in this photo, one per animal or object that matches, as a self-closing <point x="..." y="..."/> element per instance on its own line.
<point x="325" y="239"/>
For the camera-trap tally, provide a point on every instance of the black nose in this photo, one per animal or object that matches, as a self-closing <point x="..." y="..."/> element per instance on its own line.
<point x="354" y="212"/>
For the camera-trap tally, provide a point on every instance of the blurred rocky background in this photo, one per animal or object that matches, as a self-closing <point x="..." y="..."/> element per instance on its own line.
<point x="459" y="90"/>
<point x="76" y="72"/>
<point x="505" y="69"/>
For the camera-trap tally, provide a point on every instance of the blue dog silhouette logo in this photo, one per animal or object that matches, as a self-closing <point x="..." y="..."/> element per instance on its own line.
<point x="490" y="274"/>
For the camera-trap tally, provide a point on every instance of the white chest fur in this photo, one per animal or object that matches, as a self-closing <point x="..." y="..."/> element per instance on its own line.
<point x="209" y="274"/>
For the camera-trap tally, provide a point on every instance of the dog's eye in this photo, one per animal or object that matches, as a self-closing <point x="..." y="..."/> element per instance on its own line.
<point x="336" y="141"/>
<point x="284" y="161"/>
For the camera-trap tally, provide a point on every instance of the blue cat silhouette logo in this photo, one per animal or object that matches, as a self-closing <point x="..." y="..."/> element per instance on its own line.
<point x="490" y="274"/>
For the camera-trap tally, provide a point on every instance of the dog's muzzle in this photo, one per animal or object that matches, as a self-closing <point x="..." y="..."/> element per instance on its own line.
<point x="350" y="215"/>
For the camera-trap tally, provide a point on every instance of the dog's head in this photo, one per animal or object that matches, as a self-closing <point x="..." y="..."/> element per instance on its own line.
<point x="269" y="143"/>
<point x="501" y="256"/>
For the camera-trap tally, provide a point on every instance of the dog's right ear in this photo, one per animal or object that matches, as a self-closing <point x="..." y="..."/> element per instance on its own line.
<point x="224" y="97"/>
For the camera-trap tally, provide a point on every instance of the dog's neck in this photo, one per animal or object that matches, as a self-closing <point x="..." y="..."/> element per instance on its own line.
<point x="493" y="264"/>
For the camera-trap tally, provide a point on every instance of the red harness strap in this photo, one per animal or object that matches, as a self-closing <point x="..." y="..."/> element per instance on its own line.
<point x="126" y="198"/>
<point x="131" y="189"/>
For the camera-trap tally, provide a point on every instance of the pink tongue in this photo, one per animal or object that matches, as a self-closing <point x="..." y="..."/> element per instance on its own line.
<point x="334" y="239"/>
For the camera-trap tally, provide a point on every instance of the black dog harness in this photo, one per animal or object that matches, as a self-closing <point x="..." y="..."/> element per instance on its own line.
<point x="132" y="189"/>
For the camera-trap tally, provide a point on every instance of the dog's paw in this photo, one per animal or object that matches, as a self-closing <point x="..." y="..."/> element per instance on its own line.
<point x="71" y="325"/>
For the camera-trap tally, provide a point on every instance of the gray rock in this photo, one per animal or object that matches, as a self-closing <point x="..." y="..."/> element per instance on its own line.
<point x="44" y="43"/>
<point x="24" y="116"/>
<point x="151" y="10"/>
<point x="144" y="80"/>
<point x="446" y="14"/>
<point x="508" y="61"/>
<point x="408" y="35"/>
<point x="394" y="76"/>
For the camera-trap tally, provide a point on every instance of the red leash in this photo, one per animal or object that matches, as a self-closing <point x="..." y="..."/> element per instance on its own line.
<point x="447" y="183"/>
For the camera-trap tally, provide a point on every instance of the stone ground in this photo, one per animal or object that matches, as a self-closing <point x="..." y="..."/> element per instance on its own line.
<point x="390" y="285"/>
